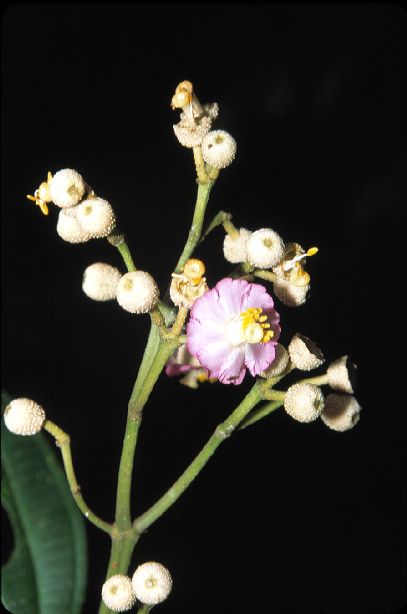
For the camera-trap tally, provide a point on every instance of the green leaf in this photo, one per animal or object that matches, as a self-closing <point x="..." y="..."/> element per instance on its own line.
<point x="46" y="572"/>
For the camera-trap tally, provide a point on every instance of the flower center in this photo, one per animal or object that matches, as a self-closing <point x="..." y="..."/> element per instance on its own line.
<point x="249" y="327"/>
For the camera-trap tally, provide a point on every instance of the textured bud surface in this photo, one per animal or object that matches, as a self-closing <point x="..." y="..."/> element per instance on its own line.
<point x="24" y="417"/>
<point x="218" y="148"/>
<point x="304" y="354"/>
<point x="118" y="594"/>
<point x="304" y="402"/>
<point x="342" y="375"/>
<point x="265" y="248"/>
<point x="137" y="292"/>
<point x="96" y="217"/>
<point x="100" y="281"/>
<point x="152" y="583"/>
<point x="341" y="412"/>
<point x="235" y="248"/>
<point x="279" y="363"/>
<point x="288" y="294"/>
<point x="67" y="188"/>
<point x="68" y="226"/>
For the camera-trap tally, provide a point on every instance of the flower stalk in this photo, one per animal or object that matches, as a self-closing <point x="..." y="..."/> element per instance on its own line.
<point x="63" y="441"/>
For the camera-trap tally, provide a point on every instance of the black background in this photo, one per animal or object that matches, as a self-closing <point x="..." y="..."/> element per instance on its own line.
<point x="286" y="518"/>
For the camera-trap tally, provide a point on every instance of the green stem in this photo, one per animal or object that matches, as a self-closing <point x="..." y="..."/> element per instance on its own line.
<point x="260" y="413"/>
<point x="319" y="380"/>
<point x="138" y="399"/>
<point x="274" y="395"/>
<point x="266" y="275"/>
<point x="197" y="223"/>
<point x="126" y="255"/>
<point x="222" y="432"/>
<point x="63" y="441"/>
<point x="144" y="609"/>
<point x="119" y="562"/>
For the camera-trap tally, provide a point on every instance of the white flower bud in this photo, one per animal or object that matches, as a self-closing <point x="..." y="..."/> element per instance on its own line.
<point x="24" y="417"/>
<point x="118" y="594"/>
<point x="235" y="248"/>
<point x="265" y="248"/>
<point x="288" y="294"/>
<point x="96" y="217"/>
<point x="100" y="281"/>
<point x="218" y="148"/>
<point x="341" y="412"/>
<point x="67" y="188"/>
<point x="152" y="583"/>
<point x="68" y="226"/>
<point x="192" y="135"/>
<point x="137" y="292"/>
<point x="304" y="354"/>
<point x="279" y="363"/>
<point x="341" y="374"/>
<point x="304" y="402"/>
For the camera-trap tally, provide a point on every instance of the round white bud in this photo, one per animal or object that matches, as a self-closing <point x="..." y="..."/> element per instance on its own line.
<point x="288" y="294"/>
<point x="96" y="217"/>
<point x="304" y="354"/>
<point x="100" y="281"/>
<point x="341" y="412"/>
<point x="137" y="292"/>
<point x="67" y="188"/>
<point x="235" y="248"/>
<point x="118" y="594"/>
<point x="152" y="583"/>
<point x="218" y="148"/>
<point x="341" y="374"/>
<point x="68" y="226"/>
<point x="265" y="248"/>
<point x="279" y="363"/>
<point x="304" y="402"/>
<point x="24" y="417"/>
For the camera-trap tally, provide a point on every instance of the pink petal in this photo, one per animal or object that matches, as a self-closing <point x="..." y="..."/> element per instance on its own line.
<point x="258" y="297"/>
<point x="232" y="296"/>
<point x="232" y="370"/>
<point x="259" y="356"/>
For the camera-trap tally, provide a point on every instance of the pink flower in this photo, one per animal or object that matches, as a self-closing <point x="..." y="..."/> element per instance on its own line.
<point x="233" y="327"/>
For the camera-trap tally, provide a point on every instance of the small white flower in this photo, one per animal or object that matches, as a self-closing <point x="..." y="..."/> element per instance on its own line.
<point x="341" y="412"/>
<point x="304" y="402"/>
<point x="235" y="247"/>
<point x="24" y="417"/>
<point x="96" y="217"/>
<point x="304" y="354"/>
<point x="288" y="294"/>
<point x="279" y="364"/>
<point x="100" y="281"/>
<point x="137" y="292"/>
<point x="341" y="374"/>
<point x="67" y="188"/>
<point x="118" y="594"/>
<point x="265" y="248"/>
<point x="68" y="226"/>
<point x="152" y="583"/>
<point x="218" y="148"/>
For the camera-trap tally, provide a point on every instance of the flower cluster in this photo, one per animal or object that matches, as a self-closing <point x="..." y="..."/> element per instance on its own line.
<point x="83" y="215"/>
<point x="151" y="584"/>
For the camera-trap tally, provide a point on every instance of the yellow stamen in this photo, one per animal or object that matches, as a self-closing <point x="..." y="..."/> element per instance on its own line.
<point x="312" y="251"/>
<point x="194" y="270"/>
<point x="254" y="324"/>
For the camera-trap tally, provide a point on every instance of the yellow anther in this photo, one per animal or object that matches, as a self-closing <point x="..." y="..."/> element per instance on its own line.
<point x="255" y="325"/>
<point x="194" y="270"/>
<point x="182" y="96"/>
<point x="312" y="251"/>
<point x="42" y="195"/>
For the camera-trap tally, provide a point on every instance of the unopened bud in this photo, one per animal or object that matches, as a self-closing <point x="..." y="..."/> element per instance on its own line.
<point x="304" y="402"/>
<point x="24" y="417"/>
<point x="118" y="594"/>
<point x="152" y="583"/>
<point x="137" y="292"/>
